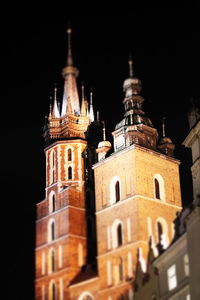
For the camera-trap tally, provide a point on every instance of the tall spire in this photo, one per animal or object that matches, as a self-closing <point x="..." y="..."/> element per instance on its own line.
<point x="69" y="52"/>
<point x="55" y="112"/>
<point x="91" y="114"/>
<point x="70" y="87"/>
<point x="83" y="106"/>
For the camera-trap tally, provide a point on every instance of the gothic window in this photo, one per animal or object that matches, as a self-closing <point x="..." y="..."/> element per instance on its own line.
<point x="117" y="191"/>
<point x="69" y="172"/>
<point x="51" y="230"/>
<point x="51" y="261"/>
<point x="119" y="235"/>
<point x="159" y="189"/>
<point x="52" y="202"/>
<point x="52" y="291"/>
<point x="69" y="154"/>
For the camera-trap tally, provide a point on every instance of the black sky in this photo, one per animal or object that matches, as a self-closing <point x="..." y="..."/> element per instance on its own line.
<point x="165" y="49"/>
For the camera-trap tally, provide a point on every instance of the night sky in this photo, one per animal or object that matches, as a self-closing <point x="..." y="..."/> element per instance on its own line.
<point x="165" y="50"/>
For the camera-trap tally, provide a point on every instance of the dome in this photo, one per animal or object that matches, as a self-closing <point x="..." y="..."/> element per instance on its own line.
<point x="165" y="140"/>
<point x="103" y="144"/>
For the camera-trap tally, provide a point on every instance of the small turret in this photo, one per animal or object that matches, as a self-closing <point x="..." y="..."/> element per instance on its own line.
<point x="104" y="146"/>
<point x="165" y="144"/>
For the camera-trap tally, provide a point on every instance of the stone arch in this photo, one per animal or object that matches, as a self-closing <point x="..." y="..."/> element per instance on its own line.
<point x="86" y="296"/>
<point x="115" y="190"/>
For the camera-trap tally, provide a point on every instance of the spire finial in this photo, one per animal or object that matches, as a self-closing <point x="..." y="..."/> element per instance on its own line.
<point x="91" y="113"/>
<point x="97" y="116"/>
<point x="130" y="62"/>
<point x="104" y="131"/>
<point x="83" y="89"/>
<point x="69" y="53"/>
<point x="163" y="126"/>
<point x="55" y="92"/>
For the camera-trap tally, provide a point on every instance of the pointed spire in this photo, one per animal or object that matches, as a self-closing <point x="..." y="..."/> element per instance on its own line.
<point x="97" y="116"/>
<point x="55" y="112"/>
<point x="50" y="109"/>
<point x="163" y="126"/>
<point x="83" y="106"/>
<point x="69" y="52"/>
<point x="130" y="62"/>
<point x="104" y="131"/>
<point x="91" y="113"/>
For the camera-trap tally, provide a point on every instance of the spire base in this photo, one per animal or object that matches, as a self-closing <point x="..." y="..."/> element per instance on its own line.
<point x="70" y="70"/>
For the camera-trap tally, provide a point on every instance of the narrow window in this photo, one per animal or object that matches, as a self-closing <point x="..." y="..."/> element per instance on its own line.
<point x="69" y="154"/>
<point x="53" y="291"/>
<point x="119" y="235"/>
<point x="70" y="173"/>
<point x="43" y="263"/>
<point x="52" y="261"/>
<point x="172" y="279"/>
<point x="157" y="188"/>
<point x="80" y="255"/>
<point x="53" y="203"/>
<point x="52" y="231"/>
<point x="117" y="191"/>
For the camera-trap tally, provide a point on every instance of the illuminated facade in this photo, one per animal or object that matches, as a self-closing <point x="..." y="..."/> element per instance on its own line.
<point x="100" y="211"/>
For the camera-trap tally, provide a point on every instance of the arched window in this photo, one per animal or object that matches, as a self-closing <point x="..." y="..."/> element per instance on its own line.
<point x="52" y="291"/>
<point x="159" y="189"/>
<point x="119" y="235"/>
<point x="69" y="172"/>
<point x="85" y="296"/>
<point x="117" y="191"/>
<point x="51" y="261"/>
<point x="51" y="230"/>
<point x="69" y="154"/>
<point x="52" y="202"/>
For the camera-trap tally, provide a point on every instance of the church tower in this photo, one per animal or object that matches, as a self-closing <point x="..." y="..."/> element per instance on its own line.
<point x="137" y="193"/>
<point x="61" y="242"/>
<point x="101" y="210"/>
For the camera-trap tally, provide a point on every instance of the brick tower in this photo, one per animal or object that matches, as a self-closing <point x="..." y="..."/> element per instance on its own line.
<point x="136" y="197"/>
<point x="61" y="218"/>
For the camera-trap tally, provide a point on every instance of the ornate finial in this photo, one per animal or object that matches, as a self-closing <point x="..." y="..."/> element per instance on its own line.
<point x="163" y="126"/>
<point x="69" y="54"/>
<point x="91" y="113"/>
<point x="55" y="91"/>
<point x="97" y="116"/>
<point x="82" y="89"/>
<point x="130" y="62"/>
<point x="104" y="131"/>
